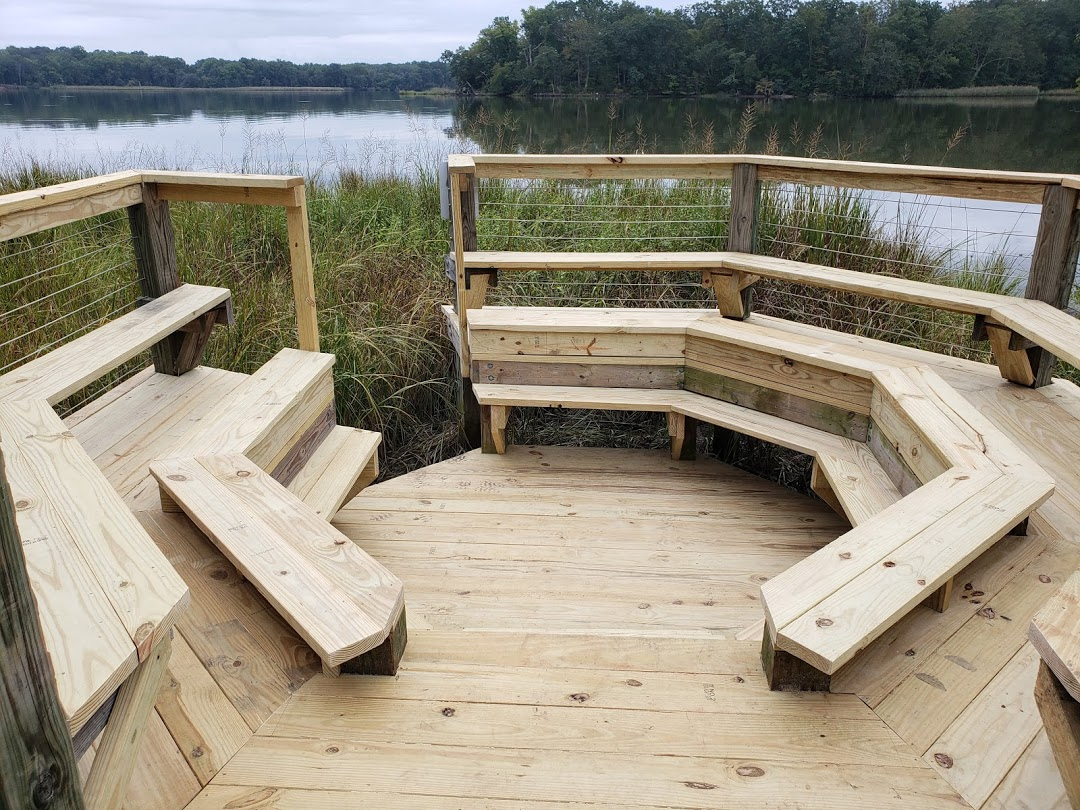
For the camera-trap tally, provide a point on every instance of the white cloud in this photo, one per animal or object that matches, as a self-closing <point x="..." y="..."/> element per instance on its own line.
<point x="317" y="31"/>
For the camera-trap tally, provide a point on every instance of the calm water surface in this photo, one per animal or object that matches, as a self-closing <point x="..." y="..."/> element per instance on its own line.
<point x="317" y="134"/>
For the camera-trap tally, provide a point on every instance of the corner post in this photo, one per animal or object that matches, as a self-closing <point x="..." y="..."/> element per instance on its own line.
<point x="37" y="763"/>
<point x="464" y="204"/>
<point x="734" y="290"/>
<point x="155" y="261"/>
<point x="1053" y="263"/>
<point x="303" y="272"/>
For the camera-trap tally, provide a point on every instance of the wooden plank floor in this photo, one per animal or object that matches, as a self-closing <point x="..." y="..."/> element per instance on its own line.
<point x="584" y="629"/>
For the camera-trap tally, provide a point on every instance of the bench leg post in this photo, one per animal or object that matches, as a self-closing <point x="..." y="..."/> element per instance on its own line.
<point x="493" y="419"/>
<point x="821" y="487"/>
<point x="384" y="659"/>
<point x="116" y="756"/>
<point x="683" y="432"/>
<point x="786" y="673"/>
<point x="1013" y="363"/>
<point x="1061" y="718"/>
<point x="939" y="600"/>
<point x="734" y="293"/>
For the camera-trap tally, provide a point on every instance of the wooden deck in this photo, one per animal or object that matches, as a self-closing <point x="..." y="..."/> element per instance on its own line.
<point x="584" y="630"/>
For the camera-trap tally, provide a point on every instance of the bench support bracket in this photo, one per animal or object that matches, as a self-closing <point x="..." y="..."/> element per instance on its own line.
<point x="683" y="432"/>
<point x="786" y="673"/>
<point x="384" y="659"/>
<point x="493" y="419"/>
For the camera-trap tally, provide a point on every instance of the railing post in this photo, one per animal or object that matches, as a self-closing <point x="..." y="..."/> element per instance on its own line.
<point x="734" y="290"/>
<point x="303" y="272"/>
<point x="155" y="260"/>
<point x="464" y="202"/>
<point x="1053" y="263"/>
<point x="37" y="764"/>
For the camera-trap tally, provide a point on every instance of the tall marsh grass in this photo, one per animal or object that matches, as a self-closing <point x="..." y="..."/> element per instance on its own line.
<point x="379" y="243"/>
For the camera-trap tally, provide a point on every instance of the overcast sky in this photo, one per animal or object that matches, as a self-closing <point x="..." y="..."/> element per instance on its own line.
<point x="313" y="31"/>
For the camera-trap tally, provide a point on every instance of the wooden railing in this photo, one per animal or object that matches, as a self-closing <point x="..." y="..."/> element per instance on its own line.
<point x="146" y="196"/>
<point x="1050" y="277"/>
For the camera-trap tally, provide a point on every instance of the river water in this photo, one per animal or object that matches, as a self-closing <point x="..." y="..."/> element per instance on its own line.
<point x="319" y="133"/>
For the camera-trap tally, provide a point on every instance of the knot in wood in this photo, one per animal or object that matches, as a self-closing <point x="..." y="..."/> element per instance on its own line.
<point x="889" y="564"/>
<point x="944" y="760"/>
<point x="579" y="697"/>
<point x="243" y="473"/>
<point x="824" y="622"/>
<point x="177" y="477"/>
<point x="751" y="771"/>
<point x="449" y="711"/>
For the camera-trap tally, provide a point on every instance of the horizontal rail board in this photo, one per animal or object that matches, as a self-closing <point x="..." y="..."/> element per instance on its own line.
<point x="64" y="212"/>
<point x="985" y="184"/>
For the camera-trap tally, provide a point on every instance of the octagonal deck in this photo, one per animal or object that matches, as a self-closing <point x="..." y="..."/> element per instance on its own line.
<point x="584" y="629"/>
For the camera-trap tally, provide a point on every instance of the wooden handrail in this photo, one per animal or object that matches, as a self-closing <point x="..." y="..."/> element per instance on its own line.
<point x="985" y="184"/>
<point x="28" y="212"/>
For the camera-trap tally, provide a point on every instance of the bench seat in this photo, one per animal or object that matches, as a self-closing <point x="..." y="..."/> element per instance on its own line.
<point x="1039" y="322"/>
<point x="65" y="370"/>
<point x="106" y="594"/>
<point x="341" y="601"/>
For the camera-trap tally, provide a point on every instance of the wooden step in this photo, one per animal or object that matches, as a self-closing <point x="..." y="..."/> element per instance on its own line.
<point x="106" y="595"/>
<point x="855" y="485"/>
<point x="345" y="462"/>
<point x="74" y="365"/>
<point x="340" y="600"/>
<point x="275" y="417"/>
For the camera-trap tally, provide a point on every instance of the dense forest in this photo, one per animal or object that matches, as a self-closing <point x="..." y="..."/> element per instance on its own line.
<point x="39" y="67"/>
<point x="870" y="48"/>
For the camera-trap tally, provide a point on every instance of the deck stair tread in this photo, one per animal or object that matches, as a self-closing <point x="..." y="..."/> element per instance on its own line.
<point x="65" y="370"/>
<point x="265" y="412"/>
<point x="345" y="462"/>
<point x="340" y="600"/>
<point x="106" y="594"/>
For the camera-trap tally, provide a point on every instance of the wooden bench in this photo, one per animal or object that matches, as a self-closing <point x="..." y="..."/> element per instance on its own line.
<point x="886" y="438"/>
<point x="847" y="470"/>
<point x="1012" y="325"/>
<point x="107" y="597"/>
<point x="348" y="607"/>
<point x="74" y="365"/>
<point x="1055" y="633"/>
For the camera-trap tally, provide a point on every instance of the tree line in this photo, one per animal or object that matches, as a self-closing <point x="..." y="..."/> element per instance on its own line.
<point x="867" y="48"/>
<point x="42" y="67"/>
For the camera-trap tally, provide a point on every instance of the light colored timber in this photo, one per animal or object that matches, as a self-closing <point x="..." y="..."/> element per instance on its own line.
<point x="1060" y="714"/>
<point x="1033" y="782"/>
<point x="114" y="760"/>
<point x="831" y="632"/>
<point x="303" y="274"/>
<point x="65" y="370"/>
<point x="223" y="179"/>
<point x="345" y="462"/>
<point x="798" y="589"/>
<point x="207" y="728"/>
<point x="1039" y="322"/>
<point x="140" y="584"/>
<point x="1055" y="633"/>
<point x="340" y="600"/>
<point x="968" y="183"/>
<point x="62" y="213"/>
<point x="271" y="406"/>
<point x="65" y="192"/>
<point x="858" y="483"/>
<point x="90" y="649"/>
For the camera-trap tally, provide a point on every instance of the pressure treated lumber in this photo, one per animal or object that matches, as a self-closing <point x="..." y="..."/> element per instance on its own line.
<point x="114" y="760"/>
<point x="830" y="632"/>
<point x="65" y="370"/>
<point x="37" y="765"/>
<point x="1055" y="633"/>
<point x="140" y="584"/>
<point x="333" y="594"/>
<point x="1061" y="717"/>
<point x="343" y="463"/>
